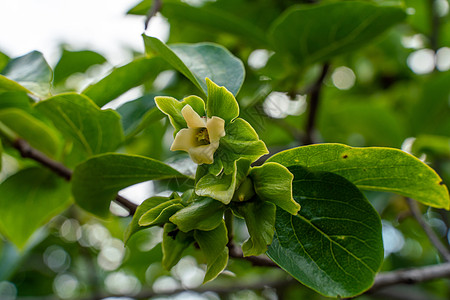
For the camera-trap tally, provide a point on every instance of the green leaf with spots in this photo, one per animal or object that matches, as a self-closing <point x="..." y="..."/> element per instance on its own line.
<point x="273" y="182"/>
<point x="124" y="78"/>
<point x="161" y="213"/>
<point x="240" y="140"/>
<point x="26" y="207"/>
<point x="200" y="61"/>
<point x="201" y="214"/>
<point x="334" y="245"/>
<point x="97" y="181"/>
<point x="347" y="26"/>
<point x="260" y="220"/>
<point x="213" y="244"/>
<point x="92" y="130"/>
<point x="372" y="168"/>
<point x="221" y="102"/>
<point x="30" y="71"/>
<point x="172" y="108"/>
<point x="173" y="244"/>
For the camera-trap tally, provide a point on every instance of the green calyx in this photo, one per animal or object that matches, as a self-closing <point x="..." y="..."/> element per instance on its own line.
<point x="245" y="191"/>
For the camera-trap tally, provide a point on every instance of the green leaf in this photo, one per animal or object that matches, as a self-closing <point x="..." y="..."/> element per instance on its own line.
<point x="4" y="59"/>
<point x="124" y="78"/>
<point x="172" y="108"/>
<point x="240" y="140"/>
<point x="15" y="100"/>
<point x="221" y="102"/>
<point x="10" y="85"/>
<point x="372" y="168"/>
<point x="144" y="207"/>
<point x="213" y="244"/>
<point x="26" y="207"/>
<point x="200" y="61"/>
<point x="75" y="61"/>
<point x="97" y="181"/>
<point x="92" y="130"/>
<point x="334" y="245"/>
<point x="202" y="214"/>
<point x="37" y="133"/>
<point x="223" y="186"/>
<point x="347" y="26"/>
<point x="161" y="213"/>
<point x="173" y="244"/>
<point x="273" y="182"/>
<point x="260" y="220"/>
<point x="435" y="146"/>
<point x="31" y="71"/>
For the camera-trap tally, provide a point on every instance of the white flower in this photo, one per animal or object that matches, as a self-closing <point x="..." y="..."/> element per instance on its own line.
<point x="201" y="138"/>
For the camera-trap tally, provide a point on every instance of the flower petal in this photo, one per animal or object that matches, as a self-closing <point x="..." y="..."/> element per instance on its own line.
<point x="185" y="140"/>
<point x="216" y="128"/>
<point x="203" y="154"/>
<point x="192" y="118"/>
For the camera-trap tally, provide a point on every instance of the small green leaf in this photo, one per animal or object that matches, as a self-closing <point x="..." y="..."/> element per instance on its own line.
<point x="273" y="182"/>
<point x="144" y="207"/>
<point x="202" y="214"/>
<point x="221" y="102"/>
<point x="172" y="108"/>
<point x="160" y="214"/>
<point x="173" y="244"/>
<point x="26" y="207"/>
<point x="75" y="61"/>
<point x="31" y="71"/>
<point x="213" y="244"/>
<point x="240" y="140"/>
<point x="37" y="133"/>
<point x="260" y="220"/>
<point x="372" y="168"/>
<point x="93" y="130"/>
<point x="97" y="181"/>
<point x="223" y="186"/>
<point x="347" y="26"/>
<point x="200" y="61"/>
<point x="125" y="78"/>
<point x="334" y="245"/>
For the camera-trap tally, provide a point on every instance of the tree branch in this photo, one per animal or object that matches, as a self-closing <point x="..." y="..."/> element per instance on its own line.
<point x="27" y="151"/>
<point x="314" y="100"/>
<point x="261" y="261"/>
<point x="434" y="239"/>
<point x="156" y="6"/>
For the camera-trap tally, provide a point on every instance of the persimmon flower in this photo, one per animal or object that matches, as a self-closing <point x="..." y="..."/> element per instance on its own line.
<point x="201" y="138"/>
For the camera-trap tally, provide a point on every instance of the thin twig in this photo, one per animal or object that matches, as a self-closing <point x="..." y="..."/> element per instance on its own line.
<point x="261" y="261"/>
<point x="27" y="151"/>
<point x="434" y="239"/>
<point x="156" y="7"/>
<point x="435" y="25"/>
<point x="314" y="99"/>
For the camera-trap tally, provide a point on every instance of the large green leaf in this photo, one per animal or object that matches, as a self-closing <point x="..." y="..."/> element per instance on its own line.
<point x="97" y="181"/>
<point x="31" y="71"/>
<point x="93" y="130"/>
<point x="10" y="85"/>
<point x="75" y="61"/>
<point x="313" y="33"/>
<point x="37" y="133"/>
<point x="200" y="61"/>
<point x="30" y="198"/>
<point x="334" y="245"/>
<point x="124" y="78"/>
<point x="372" y="168"/>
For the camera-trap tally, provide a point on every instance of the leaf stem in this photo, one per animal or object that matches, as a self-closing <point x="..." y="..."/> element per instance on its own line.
<point x="156" y="7"/>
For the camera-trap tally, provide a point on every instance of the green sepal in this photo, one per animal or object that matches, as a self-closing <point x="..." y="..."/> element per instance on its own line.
<point x="161" y="213"/>
<point x="172" y="108"/>
<point x="222" y="187"/>
<point x="204" y="214"/>
<point x="144" y="207"/>
<point x="213" y="244"/>
<point x="173" y="244"/>
<point x="260" y="219"/>
<point x="273" y="182"/>
<point x="221" y="102"/>
<point x="240" y="140"/>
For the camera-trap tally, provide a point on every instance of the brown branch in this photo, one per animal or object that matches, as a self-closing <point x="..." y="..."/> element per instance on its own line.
<point x="434" y="239"/>
<point x="314" y="99"/>
<point x="27" y="151"/>
<point x="156" y="7"/>
<point x="261" y="261"/>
